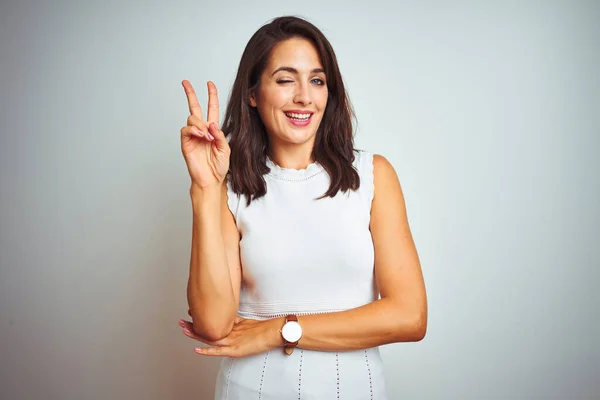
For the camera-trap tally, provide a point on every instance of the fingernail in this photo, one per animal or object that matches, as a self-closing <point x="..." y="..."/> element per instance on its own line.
<point x="211" y="137"/>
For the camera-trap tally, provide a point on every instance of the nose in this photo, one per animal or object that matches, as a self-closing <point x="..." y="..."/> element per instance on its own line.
<point x="302" y="95"/>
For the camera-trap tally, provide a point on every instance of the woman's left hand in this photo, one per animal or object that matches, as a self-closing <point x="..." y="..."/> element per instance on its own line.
<point x="247" y="337"/>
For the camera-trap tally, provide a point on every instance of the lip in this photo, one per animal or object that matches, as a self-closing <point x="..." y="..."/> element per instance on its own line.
<point x="299" y="111"/>
<point x="296" y="122"/>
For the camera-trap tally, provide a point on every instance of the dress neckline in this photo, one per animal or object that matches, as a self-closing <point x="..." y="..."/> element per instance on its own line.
<point x="292" y="174"/>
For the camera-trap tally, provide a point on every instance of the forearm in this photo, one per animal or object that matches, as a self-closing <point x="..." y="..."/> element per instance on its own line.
<point x="374" y="324"/>
<point x="209" y="292"/>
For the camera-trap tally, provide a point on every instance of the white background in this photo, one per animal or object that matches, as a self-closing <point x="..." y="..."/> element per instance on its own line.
<point x="489" y="112"/>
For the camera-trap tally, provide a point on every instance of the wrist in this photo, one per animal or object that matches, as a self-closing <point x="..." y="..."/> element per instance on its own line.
<point x="278" y="340"/>
<point x="208" y="197"/>
<point x="208" y="191"/>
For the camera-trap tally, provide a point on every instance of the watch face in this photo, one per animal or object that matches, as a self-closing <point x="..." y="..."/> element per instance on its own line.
<point x="292" y="332"/>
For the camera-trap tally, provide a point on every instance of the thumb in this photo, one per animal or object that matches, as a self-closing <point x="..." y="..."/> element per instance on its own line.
<point x="220" y="139"/>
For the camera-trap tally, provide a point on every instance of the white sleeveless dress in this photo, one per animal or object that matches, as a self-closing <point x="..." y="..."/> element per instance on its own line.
<point x="304" y="256"/>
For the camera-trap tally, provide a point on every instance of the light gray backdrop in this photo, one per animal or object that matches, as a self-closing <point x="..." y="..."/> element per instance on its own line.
<point x="489" y="112"/>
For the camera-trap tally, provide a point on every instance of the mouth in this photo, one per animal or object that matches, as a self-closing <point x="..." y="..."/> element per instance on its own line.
<point x="299" y="118"/>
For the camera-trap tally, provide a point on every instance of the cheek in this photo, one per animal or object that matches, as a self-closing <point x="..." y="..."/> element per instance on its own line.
<point x="274" y="98"/>
<point x="322" y="102"/>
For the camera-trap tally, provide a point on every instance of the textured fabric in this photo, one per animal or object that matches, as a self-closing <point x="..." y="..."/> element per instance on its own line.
<point x="305" y="375"/>
<point x="304" y="256"/>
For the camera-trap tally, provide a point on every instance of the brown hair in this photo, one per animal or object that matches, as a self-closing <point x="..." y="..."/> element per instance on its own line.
<point x="334" y="142"/>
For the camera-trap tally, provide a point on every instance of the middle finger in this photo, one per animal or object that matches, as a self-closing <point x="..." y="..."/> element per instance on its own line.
<point x="213" y="104"/>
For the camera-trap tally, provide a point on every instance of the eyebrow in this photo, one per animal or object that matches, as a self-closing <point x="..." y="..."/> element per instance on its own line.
<point x="295" y="71"/>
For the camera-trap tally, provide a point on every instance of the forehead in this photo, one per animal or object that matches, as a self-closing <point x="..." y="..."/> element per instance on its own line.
<point x="297" y="53"/>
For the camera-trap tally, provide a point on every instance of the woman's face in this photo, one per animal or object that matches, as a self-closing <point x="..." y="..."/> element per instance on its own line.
<point x="292" y="95"/>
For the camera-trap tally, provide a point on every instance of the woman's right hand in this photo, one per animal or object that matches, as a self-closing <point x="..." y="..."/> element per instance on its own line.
<point x="203" y="144"/>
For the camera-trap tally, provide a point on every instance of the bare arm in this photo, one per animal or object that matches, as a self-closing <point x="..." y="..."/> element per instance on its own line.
<point x="399" y="316"/>
<point x="401" y="313"/>
<point x="215" y="272"/>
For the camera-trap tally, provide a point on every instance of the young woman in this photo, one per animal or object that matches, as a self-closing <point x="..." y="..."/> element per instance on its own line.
<point x="302" y="259"/>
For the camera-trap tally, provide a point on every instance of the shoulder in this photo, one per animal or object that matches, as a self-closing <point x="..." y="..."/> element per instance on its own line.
<point x="376" y="169"/>
<point x="379" y="178"/>
<point x="383" y="168"/>
<point x="386" y="184"/>
<point x="380" y="167"/>
<point x="375" y="161"/>
<point x="380" y="162"/>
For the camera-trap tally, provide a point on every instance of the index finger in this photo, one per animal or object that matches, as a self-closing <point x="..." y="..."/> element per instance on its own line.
<point x="192" y="99"/>
<point x="213" y="104"/>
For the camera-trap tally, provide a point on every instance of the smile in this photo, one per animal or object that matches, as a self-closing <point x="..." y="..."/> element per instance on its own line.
<point x="298" y="119"/>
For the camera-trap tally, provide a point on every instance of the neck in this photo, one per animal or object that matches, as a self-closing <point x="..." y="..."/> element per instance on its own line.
<point x="291" y="158"/>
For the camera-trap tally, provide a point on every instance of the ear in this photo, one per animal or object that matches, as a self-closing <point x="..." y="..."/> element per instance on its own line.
<point x="252" y="100"/>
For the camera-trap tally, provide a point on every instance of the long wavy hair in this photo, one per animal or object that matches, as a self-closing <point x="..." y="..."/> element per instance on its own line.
<point x="248" y="140"/>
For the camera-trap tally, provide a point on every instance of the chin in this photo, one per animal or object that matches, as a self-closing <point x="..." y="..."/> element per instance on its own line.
<point x="299" y="138"/>
<point x="294" y="135"/>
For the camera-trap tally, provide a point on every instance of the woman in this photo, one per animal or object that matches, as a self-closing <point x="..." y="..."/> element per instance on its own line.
<point x="296" y="235"/>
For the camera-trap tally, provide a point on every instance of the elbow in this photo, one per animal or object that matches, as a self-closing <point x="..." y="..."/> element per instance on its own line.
<point x="419" y="325"/>
<point x="211" y="331"/>
<point x="412" y="329"/>
<point x="419" y="329"/>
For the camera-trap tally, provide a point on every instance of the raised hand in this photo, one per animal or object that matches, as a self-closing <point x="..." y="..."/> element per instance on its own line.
<point x="203" y="144"/>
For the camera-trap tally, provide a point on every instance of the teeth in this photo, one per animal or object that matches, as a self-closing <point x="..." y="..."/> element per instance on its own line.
<point x="298" y="116"/>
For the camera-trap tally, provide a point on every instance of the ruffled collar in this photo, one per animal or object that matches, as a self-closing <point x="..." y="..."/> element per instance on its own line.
<point x="292" y="174"/>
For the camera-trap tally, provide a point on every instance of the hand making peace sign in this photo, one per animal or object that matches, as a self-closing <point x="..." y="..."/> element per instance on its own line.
<point x="203" y="144"/>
